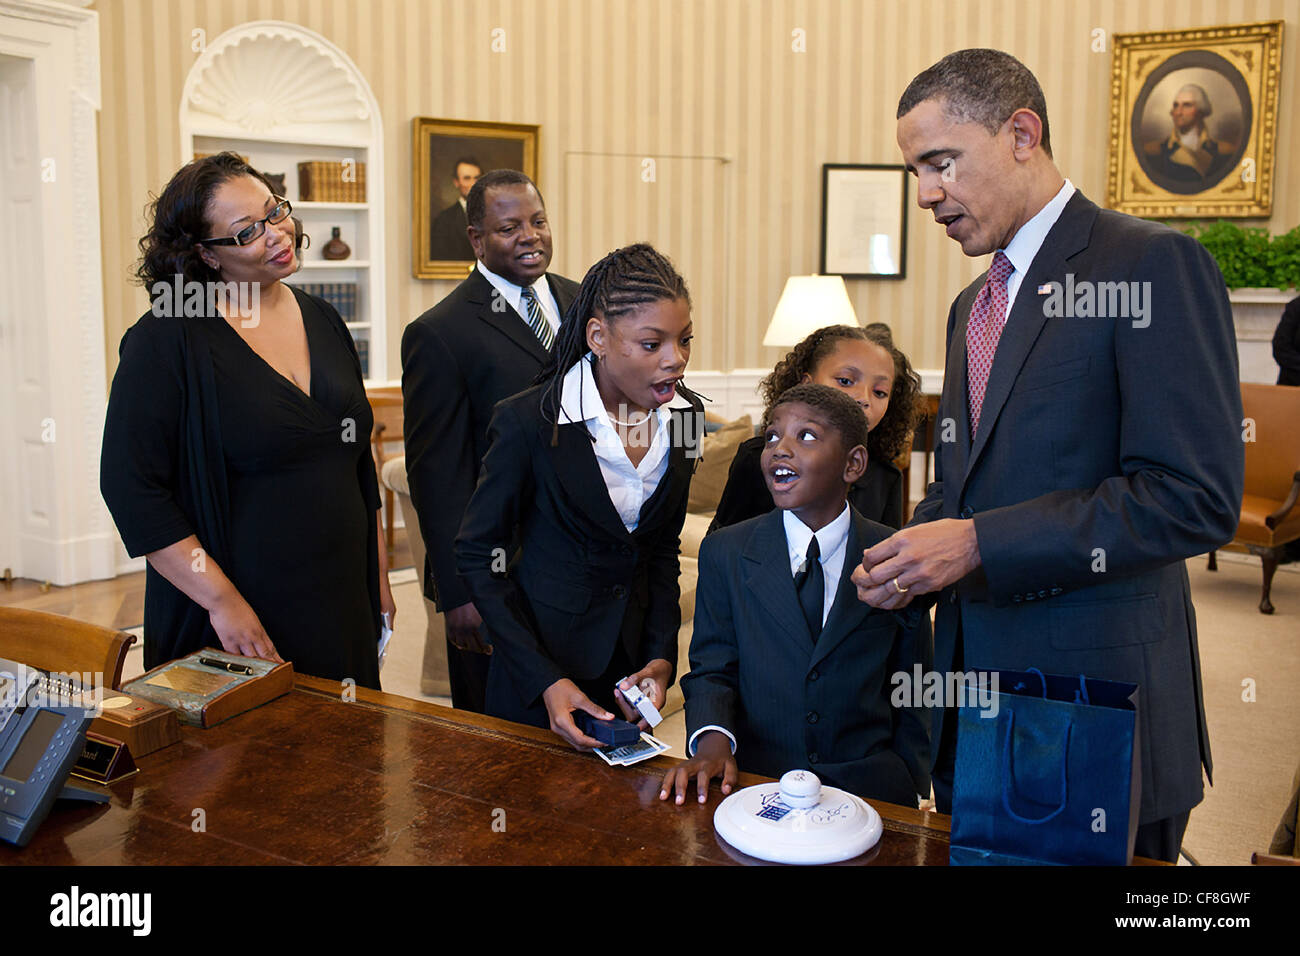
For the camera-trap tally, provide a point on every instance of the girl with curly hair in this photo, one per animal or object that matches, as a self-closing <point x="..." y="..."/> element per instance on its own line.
<point x="863" y="363"/>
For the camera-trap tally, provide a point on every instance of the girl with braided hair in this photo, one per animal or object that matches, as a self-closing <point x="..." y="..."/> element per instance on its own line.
<point x="863" y="363"/>
<point x="569" y="545"/>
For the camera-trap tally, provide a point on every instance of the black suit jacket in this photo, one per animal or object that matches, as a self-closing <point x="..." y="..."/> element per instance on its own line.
<point x="1286" y="344"/>
<point x="458" y="360"/>
<point x="1109" y="450"/>
<point x="790" y="703"/>
<point x="447" y="236"/>
<point x="582" y="582"/>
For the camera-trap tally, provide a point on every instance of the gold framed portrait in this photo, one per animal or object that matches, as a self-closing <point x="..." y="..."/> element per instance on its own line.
<point x="1193" y="121"/>
<point x="449" y="156"/>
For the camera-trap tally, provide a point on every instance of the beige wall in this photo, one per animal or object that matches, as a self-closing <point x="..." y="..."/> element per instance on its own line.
<point x="611" y="81"/>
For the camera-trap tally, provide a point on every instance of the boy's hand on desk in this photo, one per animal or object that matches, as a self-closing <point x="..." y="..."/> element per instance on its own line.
<point x="655" y="673"/>
<point x="712" y="758"/>
<point x="561" y="699"/>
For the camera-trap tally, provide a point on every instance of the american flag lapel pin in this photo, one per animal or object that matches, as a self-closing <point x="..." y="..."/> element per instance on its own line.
<point x="1045" y="289"/>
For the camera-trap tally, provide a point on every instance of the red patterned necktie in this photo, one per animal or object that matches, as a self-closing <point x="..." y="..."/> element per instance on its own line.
<point x="987" y="317"/>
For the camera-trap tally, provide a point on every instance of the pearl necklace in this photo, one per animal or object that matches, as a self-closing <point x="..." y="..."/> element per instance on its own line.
<point x="619" y="421"/>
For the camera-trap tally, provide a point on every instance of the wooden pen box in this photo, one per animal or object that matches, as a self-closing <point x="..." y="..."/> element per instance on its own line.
<point x="205" y="694"/>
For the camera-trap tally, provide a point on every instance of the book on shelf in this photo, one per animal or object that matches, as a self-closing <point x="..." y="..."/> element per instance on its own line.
<point x="362" y="341"/>
<point x="341" y="295"/>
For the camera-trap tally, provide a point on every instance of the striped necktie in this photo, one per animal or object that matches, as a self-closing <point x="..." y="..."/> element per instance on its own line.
<point x="536" y="320"/>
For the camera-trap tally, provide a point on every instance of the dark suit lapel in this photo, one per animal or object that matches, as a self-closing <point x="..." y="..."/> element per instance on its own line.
<point x="574" y="461"/>
<point x="955" y="406"/>
<point x="769" y="579"/>
<point x="847" y="612"/>
<point x="1067" y="236"/>
<point x="563" y="297"/>
<point x="501" y="316"/>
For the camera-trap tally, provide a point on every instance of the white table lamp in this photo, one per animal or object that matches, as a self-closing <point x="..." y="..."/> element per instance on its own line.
<point x="807" y="304"/>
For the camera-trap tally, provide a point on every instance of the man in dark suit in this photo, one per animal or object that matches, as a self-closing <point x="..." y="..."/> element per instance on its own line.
<point x="1088" y="435"/>
<point x="1286" y="344"/>
<point x="448" y="236"/>
<point x="485" y="341"/>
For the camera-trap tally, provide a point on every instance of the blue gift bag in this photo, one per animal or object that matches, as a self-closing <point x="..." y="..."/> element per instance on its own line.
<point x="1050" y="775"/>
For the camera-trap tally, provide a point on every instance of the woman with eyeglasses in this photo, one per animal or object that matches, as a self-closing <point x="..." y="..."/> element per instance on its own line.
<point x="236" y="449"/>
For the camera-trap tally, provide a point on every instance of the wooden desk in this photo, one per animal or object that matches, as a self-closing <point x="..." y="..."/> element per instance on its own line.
<point x="310" y="779"/>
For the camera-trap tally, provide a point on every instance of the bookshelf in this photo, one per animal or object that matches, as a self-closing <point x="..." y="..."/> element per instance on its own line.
<point x="282" y="95"/>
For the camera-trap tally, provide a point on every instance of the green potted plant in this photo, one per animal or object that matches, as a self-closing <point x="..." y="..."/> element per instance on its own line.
<point x="1248" y="257"/>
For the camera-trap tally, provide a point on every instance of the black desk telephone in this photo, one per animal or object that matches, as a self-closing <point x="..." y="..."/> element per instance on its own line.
<point x="43" y="722"/>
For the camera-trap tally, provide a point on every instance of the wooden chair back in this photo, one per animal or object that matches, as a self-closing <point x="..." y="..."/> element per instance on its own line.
<point x="1273" y="458"/>
<point x="52" y="642"/>
<point x="386" y="405"/>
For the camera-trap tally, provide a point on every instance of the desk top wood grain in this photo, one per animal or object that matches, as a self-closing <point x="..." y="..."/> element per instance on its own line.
<point x="312" y="779"/>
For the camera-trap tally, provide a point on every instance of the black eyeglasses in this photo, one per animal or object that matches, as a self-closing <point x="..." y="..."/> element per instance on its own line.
<point x="251" y="233"/>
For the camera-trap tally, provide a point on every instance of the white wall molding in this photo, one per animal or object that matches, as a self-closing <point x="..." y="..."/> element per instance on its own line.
<point x="317" y="85"/>
<point x="733" y="393"/>
<point x="56" y="395"/>
<point x="1255" y="314"/>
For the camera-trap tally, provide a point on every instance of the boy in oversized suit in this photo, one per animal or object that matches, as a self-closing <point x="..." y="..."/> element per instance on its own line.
<point x="1089" y="434"/>
<point x="788" y="669"/>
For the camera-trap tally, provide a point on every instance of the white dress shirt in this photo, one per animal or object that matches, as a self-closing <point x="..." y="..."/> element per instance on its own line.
<point x="629" y="486"/>
<point x="832" y="540"/>
<point x="1024" y="245"/>
<point x="514" y="294"/>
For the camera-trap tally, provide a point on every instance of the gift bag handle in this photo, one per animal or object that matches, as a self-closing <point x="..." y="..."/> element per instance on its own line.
<point x="1007" y="776"/>
<point x="1080" y="695"/>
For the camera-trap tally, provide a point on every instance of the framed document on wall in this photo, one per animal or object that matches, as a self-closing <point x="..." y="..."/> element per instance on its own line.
<point x="864" y="221"/>
<point x="449" y="155"/>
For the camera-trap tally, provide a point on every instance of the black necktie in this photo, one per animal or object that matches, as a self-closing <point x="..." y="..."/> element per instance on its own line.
<point x="811" y="585"/>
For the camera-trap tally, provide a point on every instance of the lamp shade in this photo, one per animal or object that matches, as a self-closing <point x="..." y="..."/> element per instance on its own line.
<point x="807" y="304"/>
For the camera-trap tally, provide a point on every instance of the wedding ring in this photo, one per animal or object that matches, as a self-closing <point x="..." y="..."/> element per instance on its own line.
<point x="898" y="587"/>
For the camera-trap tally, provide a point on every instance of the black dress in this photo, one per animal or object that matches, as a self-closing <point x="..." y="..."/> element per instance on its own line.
<point x="877" y="495"/>
<point x="204" y="437"/>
